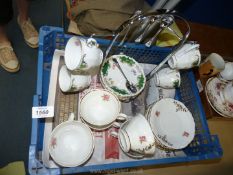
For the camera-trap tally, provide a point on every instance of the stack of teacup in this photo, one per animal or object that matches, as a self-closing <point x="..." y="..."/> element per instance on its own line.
<point x="187" y="57"/>
<point x="82" y="60"/>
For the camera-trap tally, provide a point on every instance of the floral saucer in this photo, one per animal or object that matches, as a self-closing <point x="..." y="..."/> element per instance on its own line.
<point x="213" y="89"/>
<point x="112" y="78"/>
<point x="172" y="123"/>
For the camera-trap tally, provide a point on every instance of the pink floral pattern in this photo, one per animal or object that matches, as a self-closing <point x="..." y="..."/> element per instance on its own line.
<point x="157" y="113"/>
<point x="230" y="105"/>
<point x="113" y="66"/>
<point x="214" y="88"/>
<point x="76" y="43"/>
<point x="185" y="134"/>
<point x="105" y="97"/>
<point x="218" y="86"/>
<point x="53" y="142"/>
<point x="142" y="139"/>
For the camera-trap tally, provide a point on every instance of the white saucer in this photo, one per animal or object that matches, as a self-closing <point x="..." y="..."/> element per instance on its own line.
<point x="172" y="123"/>
<point x="213" y="89"/>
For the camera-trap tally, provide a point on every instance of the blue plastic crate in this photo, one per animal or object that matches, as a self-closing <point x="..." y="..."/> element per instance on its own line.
<point x="204" y="146"/>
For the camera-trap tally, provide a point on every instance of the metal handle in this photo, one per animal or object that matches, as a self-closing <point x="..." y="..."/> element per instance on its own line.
<point x="176" y="48"/>
<point x="154" y="15"/>
<point x="165" y="22"/>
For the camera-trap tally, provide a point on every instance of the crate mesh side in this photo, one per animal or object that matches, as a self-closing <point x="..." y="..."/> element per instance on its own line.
<point x="202" y="143"/>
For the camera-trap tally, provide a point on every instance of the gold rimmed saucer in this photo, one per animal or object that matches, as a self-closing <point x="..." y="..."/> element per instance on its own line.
<point x="213" y="89"/>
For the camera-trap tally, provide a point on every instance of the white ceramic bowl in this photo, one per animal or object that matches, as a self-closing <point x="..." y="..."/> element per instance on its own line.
<point x="172" y="123"/>
<point x="100" y="108"/>
<point x="71" y="144"/>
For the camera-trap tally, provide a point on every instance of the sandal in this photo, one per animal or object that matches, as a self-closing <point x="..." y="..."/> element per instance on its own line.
<point x="29" y="32"/>
<point x="8" y="59"/>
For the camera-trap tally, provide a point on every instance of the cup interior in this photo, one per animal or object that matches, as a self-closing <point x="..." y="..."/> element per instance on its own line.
<point x="99" y="107"/>
<point x="172" y="123"/>
<point x="71" y="144"/>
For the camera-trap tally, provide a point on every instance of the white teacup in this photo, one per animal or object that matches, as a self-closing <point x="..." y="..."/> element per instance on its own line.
<point x="227" y="73"/>
<point x="137" y="136"/>
<point x="168" y="78"/>
<point x="186" y="60"/>
<point x="187" y="47"/>
<point x="82" y="55"/>
<point x="100" y="108"/>
<point x="227" y="93"/>
<point x="72" y="83"/>
<point x="71" y="143"/>
<point x="212" y="65"/>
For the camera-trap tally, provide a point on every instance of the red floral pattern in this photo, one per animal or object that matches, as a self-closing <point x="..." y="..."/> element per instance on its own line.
<point x="214" y="96"/>
<point x="106" y="97"/>
<point x="53" y="142"/>
<point x="157" y="113"/>
<point x="185" y="134"/>
<point x="218" y="85"/>
<point x="113" y="66"/>
<point x="142" y="139"/>
<point x="76" y="43"/>
<point x="230" y="105"/>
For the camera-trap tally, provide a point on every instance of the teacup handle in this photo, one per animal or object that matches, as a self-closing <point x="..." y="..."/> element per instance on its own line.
<point x="114" y="134"/>
<point x="92" y="42"/>
<point x="122" y="117"/>
<point x="71" y="117"/>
